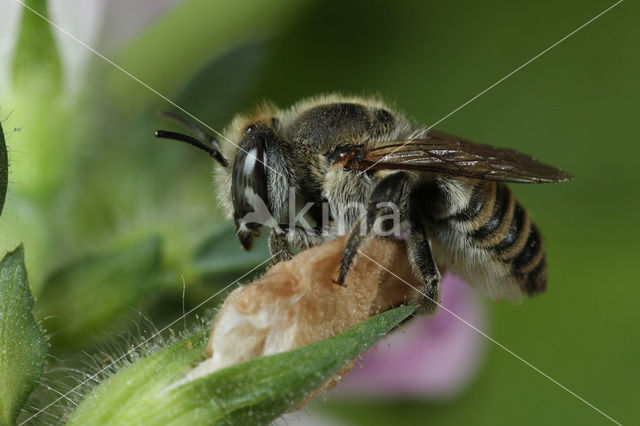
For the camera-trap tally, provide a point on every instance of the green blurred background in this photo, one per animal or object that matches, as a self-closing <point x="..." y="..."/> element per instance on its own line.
<point x="113" y="220"/>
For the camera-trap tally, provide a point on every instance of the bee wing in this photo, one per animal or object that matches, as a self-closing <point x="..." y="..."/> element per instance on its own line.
<point x="442" y="153"/>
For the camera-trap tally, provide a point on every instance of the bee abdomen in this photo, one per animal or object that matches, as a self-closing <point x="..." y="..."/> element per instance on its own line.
<point x="530" y="264"/>
<point x="492" y="231"/>
<point x="500" y="225"/>
<point x="521" y="247"/>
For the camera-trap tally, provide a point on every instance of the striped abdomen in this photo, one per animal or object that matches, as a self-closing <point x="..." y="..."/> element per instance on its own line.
<point x="496" y="222"/>
<point x="480" y="232"/>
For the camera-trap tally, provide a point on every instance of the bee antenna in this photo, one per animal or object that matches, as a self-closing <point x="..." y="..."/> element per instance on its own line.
<point x="188" y="124"/>
<point x="213" y="149"/>
<point x="165" y="134"/>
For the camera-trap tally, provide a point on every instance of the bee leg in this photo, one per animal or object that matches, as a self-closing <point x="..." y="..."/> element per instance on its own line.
<point x="390" y="191"/>
<point x="301" y="238"/>
<point x="355" y="240"/>
<point x="424" y="266"/>
<point x="279" y="246"/>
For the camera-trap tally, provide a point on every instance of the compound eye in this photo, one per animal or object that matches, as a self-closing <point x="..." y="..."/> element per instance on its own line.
<point x="249" y="185"/>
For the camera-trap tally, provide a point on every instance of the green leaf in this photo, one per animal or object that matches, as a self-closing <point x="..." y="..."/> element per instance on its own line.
<point x="254" y="392"/>
<point x="93" y="295"/>
<point x="4" y="169"/>
<point x="22" y="346"/>
<point x="36" y="63"/>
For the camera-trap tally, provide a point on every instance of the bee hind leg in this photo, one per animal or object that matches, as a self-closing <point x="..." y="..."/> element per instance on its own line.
<point x="424" y="267"/>
<point x="389" y="197"/>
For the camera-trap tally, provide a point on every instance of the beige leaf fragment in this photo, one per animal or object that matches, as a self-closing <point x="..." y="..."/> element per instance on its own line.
<point x="296" y="303"/>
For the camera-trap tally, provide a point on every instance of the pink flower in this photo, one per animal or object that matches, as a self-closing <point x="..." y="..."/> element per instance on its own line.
<point x="432" y="358"/>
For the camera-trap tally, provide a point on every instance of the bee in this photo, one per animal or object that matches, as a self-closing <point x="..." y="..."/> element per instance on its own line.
<point x="455" y="209"/>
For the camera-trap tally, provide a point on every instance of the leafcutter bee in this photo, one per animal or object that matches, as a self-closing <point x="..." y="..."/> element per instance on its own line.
<point x="448" y="196"/>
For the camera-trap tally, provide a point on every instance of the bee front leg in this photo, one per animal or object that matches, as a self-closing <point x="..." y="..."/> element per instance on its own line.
<point x="279" y="246"/>
<point x="392" y="190"/>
